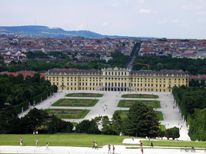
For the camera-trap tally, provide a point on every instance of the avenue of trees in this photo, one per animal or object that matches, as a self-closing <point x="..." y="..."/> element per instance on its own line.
<point x="19" y="93"/>
<point x="192" y="103"/>
<point x="193" y="66"/>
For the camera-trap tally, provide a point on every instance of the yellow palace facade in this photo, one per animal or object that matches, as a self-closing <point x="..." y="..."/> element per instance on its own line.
<point x="117" y="79"/>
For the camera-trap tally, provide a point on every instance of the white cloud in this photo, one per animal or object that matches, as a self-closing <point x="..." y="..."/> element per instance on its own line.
<point x="146" y="11"/>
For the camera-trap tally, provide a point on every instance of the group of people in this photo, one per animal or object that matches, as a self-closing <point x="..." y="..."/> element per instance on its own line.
<point x="111" y="149"/>
<point x="105" y="107"/>
<point x="21" y="142"/>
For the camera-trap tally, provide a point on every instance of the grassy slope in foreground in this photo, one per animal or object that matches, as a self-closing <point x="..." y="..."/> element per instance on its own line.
<point x="140" y="96"/>
<point x="168" y="143"/>
<point x="76" y="102"/>
<point x="79" y="140"/>
<point x="84" y="140"/>
<point x="84" y="95"/>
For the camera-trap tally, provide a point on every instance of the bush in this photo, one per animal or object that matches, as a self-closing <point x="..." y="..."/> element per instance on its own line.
<point x="60" y="126"/>
<point x="172" y="133"/>
<point x="89" y="127"/>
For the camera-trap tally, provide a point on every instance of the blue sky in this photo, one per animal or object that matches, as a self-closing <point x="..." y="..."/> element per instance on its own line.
<point x="151" y="18"/>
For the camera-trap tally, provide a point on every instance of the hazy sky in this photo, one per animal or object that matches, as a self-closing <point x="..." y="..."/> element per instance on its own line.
<point x="156" y="18"/>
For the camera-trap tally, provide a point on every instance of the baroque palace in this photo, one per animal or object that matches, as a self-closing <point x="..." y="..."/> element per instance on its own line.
<point x="117" y="79"/>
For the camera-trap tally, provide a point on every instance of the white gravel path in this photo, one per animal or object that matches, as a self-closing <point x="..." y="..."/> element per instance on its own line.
<point x="81" y="150"/>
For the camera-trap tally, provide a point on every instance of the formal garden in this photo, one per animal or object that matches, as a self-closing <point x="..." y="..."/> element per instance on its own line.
<point x="68" y="113"/>
<point x="84" y="95"/>
<point x="140" y="96"/>
<point x="76" y="102"/>
<point x="149" y="103"/>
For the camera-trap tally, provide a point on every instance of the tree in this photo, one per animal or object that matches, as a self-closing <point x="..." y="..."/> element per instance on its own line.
<point x="57" y="125"/>
<point x="9" y="121"/>
<point x="87" y="126"/>
<point x="107" y="126"/>
<point x="142" y="121"/>
<point x="117" y="123"/>
<point x="197" y="130"/>
<point x="172" y="133"/>
<point x="33" y="120"/>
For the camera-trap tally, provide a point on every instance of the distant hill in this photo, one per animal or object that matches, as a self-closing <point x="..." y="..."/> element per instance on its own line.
<point x="44" y="31"/>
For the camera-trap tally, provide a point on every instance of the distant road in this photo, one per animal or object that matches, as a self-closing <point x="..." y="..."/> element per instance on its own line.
<point x="134" y="53"/>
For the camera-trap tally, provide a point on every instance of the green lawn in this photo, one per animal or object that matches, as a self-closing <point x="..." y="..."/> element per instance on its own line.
<point x="68" y="113"/>
<point x="76" y="102"/>
<point x="139" y="96"/>
<point x="149" y="103"/>
<point x="79" y="140"/>
<point x="169" y="143"/>
<point x="85" y="140"/>
<point x="124" y="114"/>
<point x="84" y="95"/>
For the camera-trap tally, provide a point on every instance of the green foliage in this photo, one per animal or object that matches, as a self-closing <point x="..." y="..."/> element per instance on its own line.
<point x="33" y="120"/>
<point x="197" y="129"/>
<point x="193" y="66"/>
<point x="149" y="103"/>
<point x="140" y="96"/>
<point x="42" y="62"/>
<point x="192" y="103"/>
<point x="68" y="113"/>
<point x="57" y="125"/>
<point x="84" y="95"/>
<point x="118" y="123"/>
<point x="189" y="99"/>
<point x="89" y="127"/>
<point x="76" y="102"/>
<point x="19" y="92"/>
<point x="172" y="133"/>
<point x="142" y="121"/>
<point x="107" y="127"/>
<point x="9" y="122"/>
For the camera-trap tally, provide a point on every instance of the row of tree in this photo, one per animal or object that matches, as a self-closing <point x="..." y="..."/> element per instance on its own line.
<point x="20" y="92"/>
<point x="142" y="122"/>
<point x="193" y="66"/>
<point x="192" y="103"/>
<point x="35" y="120"/>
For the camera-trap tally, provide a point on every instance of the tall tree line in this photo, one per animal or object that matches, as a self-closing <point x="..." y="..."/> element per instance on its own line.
<point x="192" y="103"/>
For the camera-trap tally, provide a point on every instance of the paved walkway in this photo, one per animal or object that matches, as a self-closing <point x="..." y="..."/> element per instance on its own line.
<point x="45" y="104"/>
<point x="172" y="115"/>
<point x="81" y="150"/>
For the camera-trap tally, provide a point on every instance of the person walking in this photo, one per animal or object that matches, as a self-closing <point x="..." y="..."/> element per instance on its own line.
<point x="21" y="141"/>
<point x="37" y="142"/>
<point x="152" y="145"/>
<point x="113" y="149"/>
<point x="141" y="147"/>
<point x="109" y="148"/>
<point x="47" y="145"/>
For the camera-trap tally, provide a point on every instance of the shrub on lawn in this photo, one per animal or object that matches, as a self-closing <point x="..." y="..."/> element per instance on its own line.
<point x="172" y="133"/>
<point x="89" y="127"/>
<point x="57" y="125"/>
